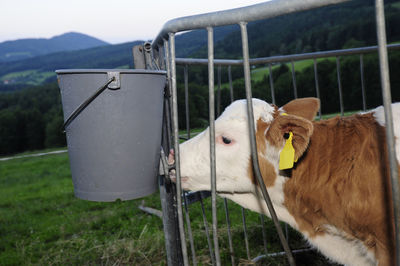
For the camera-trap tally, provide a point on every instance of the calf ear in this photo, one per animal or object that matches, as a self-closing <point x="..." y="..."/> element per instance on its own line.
<point x="301" y="128"/>
<point x="304" y="107"/>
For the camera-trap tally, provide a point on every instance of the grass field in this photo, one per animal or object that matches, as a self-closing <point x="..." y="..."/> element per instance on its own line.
<point x="258" y="74"/>
<point x="31" y="77"/>
<point x="42" y="223"/>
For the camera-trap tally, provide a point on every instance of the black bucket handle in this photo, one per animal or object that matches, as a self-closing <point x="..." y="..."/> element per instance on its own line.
<point x="113" y="83"/>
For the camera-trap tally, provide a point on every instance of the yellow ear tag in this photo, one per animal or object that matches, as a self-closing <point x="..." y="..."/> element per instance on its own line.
<point x="286" y="159"/>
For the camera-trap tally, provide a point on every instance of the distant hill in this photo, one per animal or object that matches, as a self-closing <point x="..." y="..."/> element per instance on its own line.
<point x="40" y="69"/>
<point x="28" y="48"/>
<point x="347" y="25"/>
<point x="15" y="75"/>
<point x="351" y="24"/>
<point x="188" y="43"/>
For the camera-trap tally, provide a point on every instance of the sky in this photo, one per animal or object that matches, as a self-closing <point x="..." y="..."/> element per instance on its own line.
<point x="113" y="21"/>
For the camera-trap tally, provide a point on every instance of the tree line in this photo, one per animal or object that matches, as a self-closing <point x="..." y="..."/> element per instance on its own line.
<point x="346" y="25"/>
<point x="31" y="119"/>
<point x="350" y="78"/>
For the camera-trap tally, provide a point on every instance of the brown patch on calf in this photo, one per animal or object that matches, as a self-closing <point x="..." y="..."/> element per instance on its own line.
<point x="305" y="107"/>
<point x="301" y="128"/>
<point x="266" y="168"/>
<point x="343" y="181"/>
<point x="274" y="133"/>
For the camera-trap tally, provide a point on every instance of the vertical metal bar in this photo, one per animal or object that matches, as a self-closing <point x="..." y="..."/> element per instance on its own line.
<point x="176" y="147"/>
<point x="317" y="86"/>
<point x="167" y="64"/>
<point x="168" y="116"/>
<point x="246" y="239"/>
<point x="170" y="217"/>
<point x="219" y="92"/>
<point x="271" y="84"/>
<point x="161" y="58"/>
<point x="387" y="101"/>
<point x="190" y="234"/>
<point x="228" y="223"/>
<point x="167" y="102"/>
<point x="185" y="75"/>
<point x="188" y="224"/>
<point x="207" y="231"/>
<point x="148" y="56"/>
<point x="339" y="85"/>
<point x="168" y="130"/>
<point x="264" y="234"/>
<point x="294" y="81"/>
<point x="256" y="167"/>
<point x="287" y="232"/>
<point x="155" y="55"/>
<point x="230" y="82"/>
<point x="138" y="57"/>
<point x="210" y="33"/>
<point x="167" y="189"/>
<point x="362" y="82"/>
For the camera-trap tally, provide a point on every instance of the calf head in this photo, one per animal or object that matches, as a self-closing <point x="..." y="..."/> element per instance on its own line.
<point x="233" y="155"/>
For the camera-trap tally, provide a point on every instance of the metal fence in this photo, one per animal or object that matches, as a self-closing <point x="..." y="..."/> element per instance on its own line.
<point x="161" y="54"/>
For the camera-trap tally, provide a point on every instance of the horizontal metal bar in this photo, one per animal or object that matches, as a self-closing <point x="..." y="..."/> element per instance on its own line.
<point x="233" y="16"/>
<point x="277" y="254"/>
<point x="332" y="53"/>
<point x="201" y="61"/>
<point x="285" y="58"/>
<point x="192" y="197"/>
<point x="150" y="210"/>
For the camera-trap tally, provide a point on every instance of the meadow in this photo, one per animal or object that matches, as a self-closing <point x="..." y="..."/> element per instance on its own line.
<point x="42" y="223"/>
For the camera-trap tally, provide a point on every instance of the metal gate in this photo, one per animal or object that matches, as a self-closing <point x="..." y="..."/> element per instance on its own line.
<point x="160" y="54"/>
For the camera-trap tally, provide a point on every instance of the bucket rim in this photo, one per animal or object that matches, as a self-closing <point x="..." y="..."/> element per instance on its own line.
<point x="105" y="71"/>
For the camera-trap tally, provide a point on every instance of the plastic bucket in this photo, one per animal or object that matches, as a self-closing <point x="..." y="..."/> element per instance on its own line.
<point x="114" y="142"/>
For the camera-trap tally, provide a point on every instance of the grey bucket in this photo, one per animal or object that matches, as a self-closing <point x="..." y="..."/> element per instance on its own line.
<point x="114" y="143"/>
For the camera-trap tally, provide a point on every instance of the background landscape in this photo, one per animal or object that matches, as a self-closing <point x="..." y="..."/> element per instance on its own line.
<point x="30" y="109"/>
<point x="42" y="223"/>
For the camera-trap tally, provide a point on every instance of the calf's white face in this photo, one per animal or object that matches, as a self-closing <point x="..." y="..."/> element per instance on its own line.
<point x="232" y="151"/>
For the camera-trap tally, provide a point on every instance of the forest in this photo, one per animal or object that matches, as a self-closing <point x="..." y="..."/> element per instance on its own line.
<point x="31" y="117"/>
<point x="350" y="78"/>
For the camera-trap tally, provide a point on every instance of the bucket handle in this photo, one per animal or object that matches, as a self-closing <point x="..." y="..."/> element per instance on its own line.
<point x="113" y="83"/>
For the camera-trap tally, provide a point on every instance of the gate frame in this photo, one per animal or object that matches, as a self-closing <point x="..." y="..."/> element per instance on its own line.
<point x="163" y="48"/>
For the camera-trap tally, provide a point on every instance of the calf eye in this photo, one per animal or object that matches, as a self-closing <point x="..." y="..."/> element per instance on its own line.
<point x="226" y="140"/>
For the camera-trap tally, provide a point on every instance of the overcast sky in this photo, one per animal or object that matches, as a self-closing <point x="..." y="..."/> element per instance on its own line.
<point x="113" y="21"/>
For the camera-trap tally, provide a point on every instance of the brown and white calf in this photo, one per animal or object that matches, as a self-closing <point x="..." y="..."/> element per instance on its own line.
<point x="337" y="194"/>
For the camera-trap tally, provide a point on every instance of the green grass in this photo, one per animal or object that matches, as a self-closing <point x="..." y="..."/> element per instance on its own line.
<point x="122" y="67"/>
<point x="14" y="75"/>
<point x="31" y="77"/>
<point x="328" y="116"/>
<point x="42" y="223"/>
<point x="258" y="74"/>
<point x="396" y="5"/>
<point x="34" y="152"/>
<point x="34" y="77"/>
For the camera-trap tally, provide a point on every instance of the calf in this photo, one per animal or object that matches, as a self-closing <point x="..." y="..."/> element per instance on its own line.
<point x="337" y="194"/>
